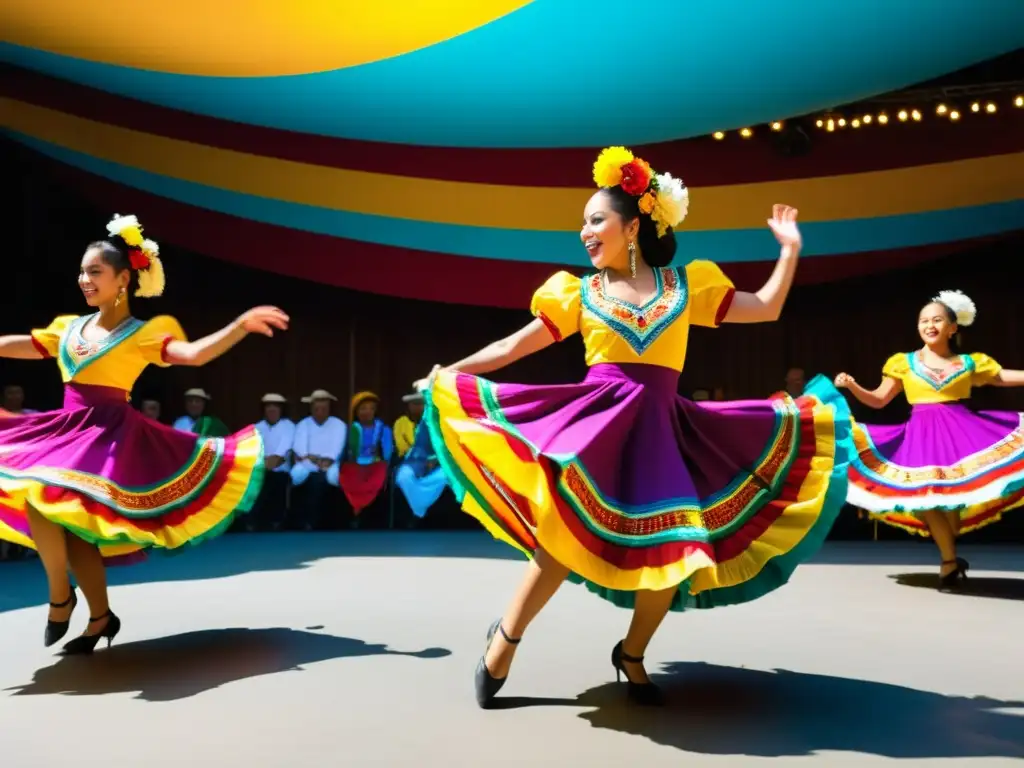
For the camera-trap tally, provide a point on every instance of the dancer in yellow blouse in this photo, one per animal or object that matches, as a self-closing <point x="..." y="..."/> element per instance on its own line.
<point x="949" y="469"/>
<point x="97" y="480"/>
<point x="655" y="502"/>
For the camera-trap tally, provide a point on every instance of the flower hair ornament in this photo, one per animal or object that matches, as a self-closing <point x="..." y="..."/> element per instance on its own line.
<point x="143" y="255"/>
<point x="960" y="303"/>
<point x="665" y="198"/>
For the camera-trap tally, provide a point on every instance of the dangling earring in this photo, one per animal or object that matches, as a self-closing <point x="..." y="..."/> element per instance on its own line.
<point x="632" y="259"/>
<point x="120" y="298"/>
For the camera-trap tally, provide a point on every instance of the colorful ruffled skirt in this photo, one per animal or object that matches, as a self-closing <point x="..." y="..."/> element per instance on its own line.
<point x="119" y="480"/>
<point x="633" y="487"/>
<point x="947" y="457"/>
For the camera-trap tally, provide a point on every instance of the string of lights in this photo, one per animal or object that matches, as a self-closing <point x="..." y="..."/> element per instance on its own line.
<point x="949" y="104"/>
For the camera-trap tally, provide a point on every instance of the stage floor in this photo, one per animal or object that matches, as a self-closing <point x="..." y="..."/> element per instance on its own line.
<point x="358" y="649"/>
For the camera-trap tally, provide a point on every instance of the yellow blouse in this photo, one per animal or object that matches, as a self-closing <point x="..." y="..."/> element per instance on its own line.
<point x="923" y="385"/>
<point x="404" y="431"/>
<point x="616" y="331"/>
<point x="117" y="360"/>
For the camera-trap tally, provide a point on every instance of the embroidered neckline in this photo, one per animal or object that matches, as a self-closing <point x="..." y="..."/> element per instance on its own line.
<point x="957" y="367"/>
<point x="78" y="352"/>
<point x="638" y="325"/>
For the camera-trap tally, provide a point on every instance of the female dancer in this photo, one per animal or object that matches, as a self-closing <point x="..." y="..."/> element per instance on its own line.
<point x="654" y="502"/>
<point x="947" y="470"/>
<point x="96" y="480"/>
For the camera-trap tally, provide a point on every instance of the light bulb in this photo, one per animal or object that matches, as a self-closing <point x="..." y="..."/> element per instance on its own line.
<point x="819" y="122"/>
<point x="975" y="107"/>
<point x="841" y="122"/>
<point x="902" y="115"/>
<point x="777" y="125"/>
<point x="1019" y="101"/>
<point x="830" y="125"/>
<point x="916" y="115"/>
<point x="718" y="135"/>
<point x="954" y="115"/>
<point x="868" y="119"/>
<point x="990" y="108"/>
<point x="746" y="133"/>
<point x="883" y="118"/>
<point x="941" y="109"/>
<point x="855" y="123"/>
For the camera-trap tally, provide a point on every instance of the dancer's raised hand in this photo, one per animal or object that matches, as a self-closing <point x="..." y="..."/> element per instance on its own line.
<point x="783" y="226"/>
<point x="263" y="320"/>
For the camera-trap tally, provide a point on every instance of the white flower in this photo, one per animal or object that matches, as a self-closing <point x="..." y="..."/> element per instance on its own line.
<point x="127" y="227"/>
<point x="671" y="204"/>
<point x="960" y="303"/>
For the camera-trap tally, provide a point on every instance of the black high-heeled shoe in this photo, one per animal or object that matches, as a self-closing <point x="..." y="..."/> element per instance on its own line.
<point x="644" y="694"/>
<point x="55" y="630"/>
<point x="952" y="580"/>
<point x="487" y="686"/>
<point x="86" y="644"/>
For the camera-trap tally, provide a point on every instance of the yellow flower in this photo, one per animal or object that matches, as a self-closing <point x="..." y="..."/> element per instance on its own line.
<point x="132" y="236"/>
<point x="608" y="167"/>
<point x="646" y="203"/>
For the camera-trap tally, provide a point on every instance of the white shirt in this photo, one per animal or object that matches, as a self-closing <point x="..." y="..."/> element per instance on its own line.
<point x="278" y="440"/>
<point x="327" y="439"/>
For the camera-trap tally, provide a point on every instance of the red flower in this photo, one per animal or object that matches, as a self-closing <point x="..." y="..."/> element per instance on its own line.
<point x="138" y="259"/>
<point x="636" y="177"/>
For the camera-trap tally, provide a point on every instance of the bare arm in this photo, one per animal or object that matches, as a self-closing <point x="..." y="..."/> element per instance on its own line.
<point x="201" y="351"/>
<point x="872" y="398"/>
<point x="1008" y="378"/>
<point x="765" y="306"/>
<point x="529" y="339"/>
<point x="20" y="347"/>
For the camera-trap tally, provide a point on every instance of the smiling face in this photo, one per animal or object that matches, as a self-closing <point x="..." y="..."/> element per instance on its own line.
<point x="605" y="234"/>
<point x="101" y="284"/>
<point x="935" y="325"/>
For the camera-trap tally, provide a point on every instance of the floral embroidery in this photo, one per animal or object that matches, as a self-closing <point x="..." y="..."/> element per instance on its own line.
<point x="77" y="352"/>
<point x="940" y="380"/>
<point x="638" y="326"/>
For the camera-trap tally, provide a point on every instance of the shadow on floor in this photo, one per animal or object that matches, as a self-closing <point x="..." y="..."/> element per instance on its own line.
<point x="975" y="586"/>
<point x="180" y="666"/>
<point x="716" y="710"/>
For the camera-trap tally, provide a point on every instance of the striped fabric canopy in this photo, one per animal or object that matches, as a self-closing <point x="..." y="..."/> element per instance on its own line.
<point x="446" y="154"/>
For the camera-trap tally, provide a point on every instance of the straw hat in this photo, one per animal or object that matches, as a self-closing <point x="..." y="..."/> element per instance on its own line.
<point x="318" y="394"/>
<point x="273" y="397"/>
<point x="198" y="392"/>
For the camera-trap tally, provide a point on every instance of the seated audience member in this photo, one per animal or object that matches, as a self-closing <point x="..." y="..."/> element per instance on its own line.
<point x="278" y="433"/>
<point x="319" y="442"/>
<point x="368" y="451"/>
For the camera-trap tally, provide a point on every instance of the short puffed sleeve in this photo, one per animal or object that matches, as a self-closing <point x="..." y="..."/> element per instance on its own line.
<point x="711" y="293"/>
<point x="985" y="369"/>
<point x="154" y="337"/>
<point x="47" y="340"/>
<point x="557" y="304"/>
<point x="896" y="367"/>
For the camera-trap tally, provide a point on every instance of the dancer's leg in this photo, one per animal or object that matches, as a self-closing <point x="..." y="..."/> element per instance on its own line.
<point x="953" y="519"/>
<point x="53" y="553"/>
<point x="91" y="575"/>
<point x="944" y="537"/>
<point x="543" y="578"/>
<point x="648" y="613"/>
